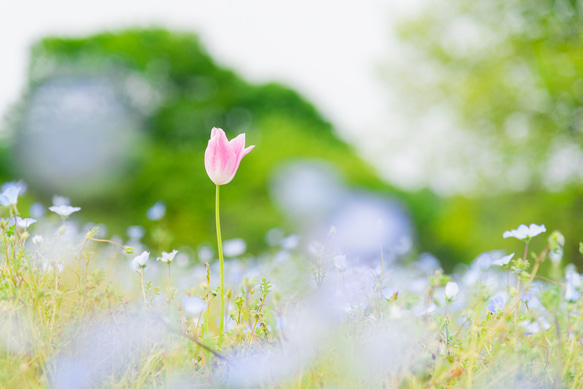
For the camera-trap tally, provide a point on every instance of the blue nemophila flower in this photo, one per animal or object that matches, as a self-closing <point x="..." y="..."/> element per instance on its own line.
<point x="22" y="223"/>
<point x="525" y="233"/>
<point x="503" y="261"/>
<point x="495" y="305"/>
<point x="141" y="261"/>
<point x="63" y="210"/>
<point x="156" y="211"/>
<point x="10" y="195"/>
<point x="556" y="254"/>
<point x="167" y="257"/>
<point x="340" y="262"/>
<point x="573" y="289"/>
<point x="535" y="326"/>
<point x="451" y="290"/>
<point x="193" y="306"/>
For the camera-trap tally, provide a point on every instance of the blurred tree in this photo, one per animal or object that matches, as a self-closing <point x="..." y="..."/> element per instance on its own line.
<point x="506" y="77"/>
<point x="178" y="93"/>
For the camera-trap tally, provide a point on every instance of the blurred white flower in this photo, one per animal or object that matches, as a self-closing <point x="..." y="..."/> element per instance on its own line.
<point x="525" y="233"/>
<point x="156" y="211"/>
<point x="167" y="257"/>
<point x="234" y="247"/>
<point x="22" y="223"/>
<point x="61" y="200"/>
<point x="573" y="289"/>
<point x="10" y="195"/>
<point x="535" y="326"/>
<point x="290" y="242"/>
<point x="63" y="210"/>
<point x="135" y="232"/>
<point x="451" y="290"/>
<point x="503" y="261"/>
<point x="193" y="306"/>
<point x="340" y="262"/>
<point x="141" y="261"/>
<point x="37" y="239"/>
<point x="556" y="255"/>
<point x="37" y="210"/>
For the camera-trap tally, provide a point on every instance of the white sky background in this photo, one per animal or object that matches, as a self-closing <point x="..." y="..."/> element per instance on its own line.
<point x="328" y="50"/>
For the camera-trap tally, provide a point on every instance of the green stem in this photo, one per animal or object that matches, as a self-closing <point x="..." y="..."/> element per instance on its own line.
<point x="143" y="289"/>
<point x="221" y="261"/>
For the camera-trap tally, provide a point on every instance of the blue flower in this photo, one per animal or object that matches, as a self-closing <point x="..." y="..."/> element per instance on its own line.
<point x="503" y="261"/>
<point x="63" y="210"/>
<point x="495" y="305"/>
<point x="141" y="261"/>
<point x="525" y="233"/>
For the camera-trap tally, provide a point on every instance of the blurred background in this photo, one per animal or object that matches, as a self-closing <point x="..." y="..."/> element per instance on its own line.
<point x="433" y="126"/>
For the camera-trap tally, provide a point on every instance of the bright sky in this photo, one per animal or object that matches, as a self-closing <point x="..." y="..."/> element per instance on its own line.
<point x="328" y="50"/>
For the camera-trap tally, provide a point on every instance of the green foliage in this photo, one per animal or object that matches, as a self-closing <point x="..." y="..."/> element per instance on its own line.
<point x="511" y="74"/>
<point x="195" y="94"/>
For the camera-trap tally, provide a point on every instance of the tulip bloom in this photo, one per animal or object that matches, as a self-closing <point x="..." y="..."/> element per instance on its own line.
<point x="222" y="157"/>
<point x="221" y="161"/>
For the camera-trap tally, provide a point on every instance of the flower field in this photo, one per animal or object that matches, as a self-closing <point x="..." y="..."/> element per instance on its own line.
<point x="81" y="309"/>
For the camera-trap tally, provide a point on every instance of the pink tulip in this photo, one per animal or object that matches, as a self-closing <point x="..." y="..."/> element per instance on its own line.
<point x="222" y="157"/>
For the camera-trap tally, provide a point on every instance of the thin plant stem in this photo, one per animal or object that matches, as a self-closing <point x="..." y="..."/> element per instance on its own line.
<point x="143" y="289"/>
<point x="222" y="266"/>
<point x="169" y="287"/>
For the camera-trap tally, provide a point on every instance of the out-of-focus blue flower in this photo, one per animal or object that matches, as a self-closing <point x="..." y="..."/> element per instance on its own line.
<point x="495" y="305"/>
<point x="525" y="233"/>
<point x="556" y="255"/>
<point x="290" y="242"/>
<point x="451" y="290"/>
<point x="141" y="261"/>
<point x="61" y="200"/>
<point x="63" y="210"/>
<point x="503" y="261"/>
<point x="527" y="297"/>
<point x="10" y="195"/>
<point x="234" y="247"/>
<point x="156" y="211"/>
<point x="167" y="257"/>
<point x="193" y="306"/>
<point x="135" y="232"/>
<point x="37" y="210"/>
<point x="573" y="289"/>
<point x="484" y="261"/>
<point x="22" y="223"/>
<point x="340" y="262"/>
<point x="535" y="326"/>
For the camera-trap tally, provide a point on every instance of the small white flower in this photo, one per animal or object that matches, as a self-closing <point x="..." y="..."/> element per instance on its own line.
<point x="503" y="261"/>
<point x="525" y="233"/>
<point x="63" y="210"/>
<point x="22" y="223"/>
<point x="141" y="261"/>
<point x="37" y="239"/>
<point x="10" y="195"/>
<point x="193" y="306"/>
<point x="451" y="290"/>
<point x="167" y="257"/>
